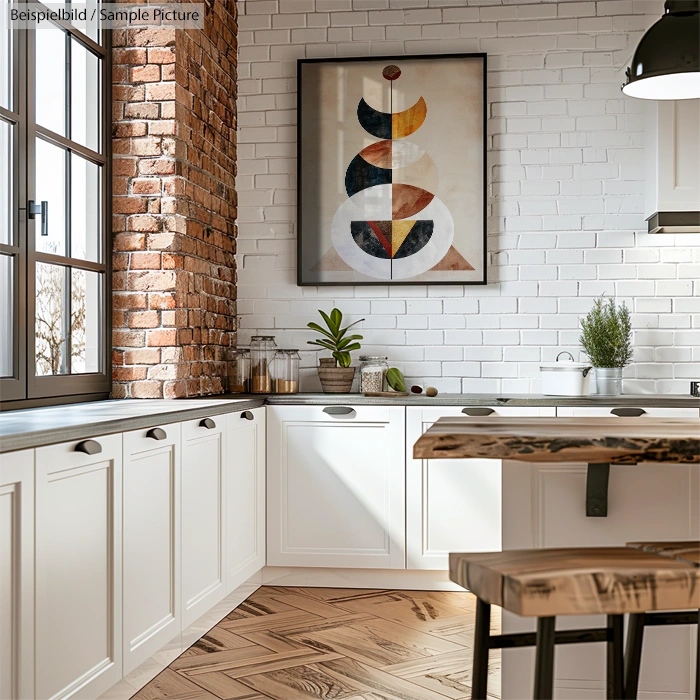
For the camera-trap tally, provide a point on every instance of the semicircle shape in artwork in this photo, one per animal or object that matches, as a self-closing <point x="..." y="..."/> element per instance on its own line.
<point x="384" y="125"/>
<point x="360" y="175"/>
<point x="407" y="200"/>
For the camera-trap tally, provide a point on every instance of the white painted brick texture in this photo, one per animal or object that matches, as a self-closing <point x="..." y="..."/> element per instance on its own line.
<point x="565" y="159"/>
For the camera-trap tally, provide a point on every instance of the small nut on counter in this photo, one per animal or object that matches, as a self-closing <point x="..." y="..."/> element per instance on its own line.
<point x="431" y="391"/>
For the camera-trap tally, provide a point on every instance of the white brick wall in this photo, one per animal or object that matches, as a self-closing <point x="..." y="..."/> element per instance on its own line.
<point x="565" y="224"/>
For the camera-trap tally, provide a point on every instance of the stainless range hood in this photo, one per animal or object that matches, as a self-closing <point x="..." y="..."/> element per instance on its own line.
<point x="674" y="222"/>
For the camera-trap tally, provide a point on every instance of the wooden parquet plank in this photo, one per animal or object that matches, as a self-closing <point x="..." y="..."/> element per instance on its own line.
<point x="281" y="661"/>
<point x="377" y="642"/>
<point x="224" y="687"/>
<point x="311" y="605"/>
<point x="375" y="680"/>
<point x="169" y="685"/>
<point x="267" y="622"/>
<point x="219" y="660"/>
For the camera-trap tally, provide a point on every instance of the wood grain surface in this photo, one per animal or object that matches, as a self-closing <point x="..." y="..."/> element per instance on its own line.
<point x="580" y="581"/>
<point x="333" y="644"/>
<point x="564" y="439"/>
<point x="684" y="550"/>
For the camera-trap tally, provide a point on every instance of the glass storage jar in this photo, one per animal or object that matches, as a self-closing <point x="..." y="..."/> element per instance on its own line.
<point x="373" y="369"/>
<point x="262" y="352"/>
<point x="238" y="371"/>
<point x="285" y="372"/>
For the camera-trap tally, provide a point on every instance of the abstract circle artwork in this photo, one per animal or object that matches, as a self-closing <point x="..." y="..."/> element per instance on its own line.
<point x="392" y="225"/>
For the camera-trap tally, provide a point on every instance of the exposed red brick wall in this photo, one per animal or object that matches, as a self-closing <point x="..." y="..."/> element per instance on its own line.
<point x="174" y="206"/>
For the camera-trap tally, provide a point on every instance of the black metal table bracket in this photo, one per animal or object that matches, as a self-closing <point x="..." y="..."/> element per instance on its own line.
<point x="597" y="478"/>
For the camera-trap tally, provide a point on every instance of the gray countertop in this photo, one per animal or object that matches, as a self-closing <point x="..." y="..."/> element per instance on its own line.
<point x="35" y="427"/>
<point x="641" y="400"/>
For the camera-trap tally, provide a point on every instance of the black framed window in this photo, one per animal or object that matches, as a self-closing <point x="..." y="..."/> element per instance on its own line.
<point x="54" y="212"/>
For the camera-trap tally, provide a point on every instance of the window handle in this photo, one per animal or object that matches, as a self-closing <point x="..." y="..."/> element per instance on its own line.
<point x="43" y="210"/>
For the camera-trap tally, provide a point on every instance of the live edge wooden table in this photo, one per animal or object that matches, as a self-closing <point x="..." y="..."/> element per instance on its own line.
<point x="660" y="498"/>
<point x="599" y="442"/>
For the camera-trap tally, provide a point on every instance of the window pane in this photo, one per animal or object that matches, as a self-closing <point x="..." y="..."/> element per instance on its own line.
<point x="50" y="328"/>
<point x="86" y="226"/>
<point x="85" y="96"/>
<point x="91" y="25"/>
<point x="5" y="56"/>
<point x="6" y="185"/>
<point x="86" y="320"/>
<point x="6" y="315"/>
<point x="51" y="79"/>
<point x="51" y="188"/>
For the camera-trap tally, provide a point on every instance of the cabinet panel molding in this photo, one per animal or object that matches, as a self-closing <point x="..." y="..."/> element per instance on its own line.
<point x="203" y="516"/>
<point x="17" y="575"/>
<point x="245" y="496"/>
<point x="78" y="569"/>
<point x="151" y="522"/>
<point x="336" y="487"/>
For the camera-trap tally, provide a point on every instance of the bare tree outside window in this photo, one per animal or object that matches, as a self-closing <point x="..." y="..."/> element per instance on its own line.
<point x="52" y="329"/>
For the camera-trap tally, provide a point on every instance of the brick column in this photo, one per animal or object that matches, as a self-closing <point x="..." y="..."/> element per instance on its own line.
<point x="174" y="206"/>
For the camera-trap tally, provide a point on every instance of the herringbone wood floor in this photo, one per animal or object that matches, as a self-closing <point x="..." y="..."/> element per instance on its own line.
<point x="332" y="643"/>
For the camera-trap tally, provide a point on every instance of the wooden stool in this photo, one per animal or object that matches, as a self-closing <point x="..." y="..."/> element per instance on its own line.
<point x="686" y="551"/>
<point x="545" y="583"/>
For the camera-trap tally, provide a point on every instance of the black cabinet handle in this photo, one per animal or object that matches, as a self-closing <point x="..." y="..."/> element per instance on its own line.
<point x="157" y="434"/>
<point x="247" y="415"/>
<point x="89" y="447"/>
<point x="628" y="412"/>
<point x="340" y="411"/>
<point x="477" y="411"/>
<point x="207" y="423"/>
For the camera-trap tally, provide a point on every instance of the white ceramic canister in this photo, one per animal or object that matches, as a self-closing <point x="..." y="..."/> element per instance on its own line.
<point x="565" y="378"/>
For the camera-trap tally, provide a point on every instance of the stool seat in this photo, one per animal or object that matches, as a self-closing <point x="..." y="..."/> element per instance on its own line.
<point x="578" y="581"/>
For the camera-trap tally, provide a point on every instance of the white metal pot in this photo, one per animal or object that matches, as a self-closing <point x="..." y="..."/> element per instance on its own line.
<point x="565" y="378"/>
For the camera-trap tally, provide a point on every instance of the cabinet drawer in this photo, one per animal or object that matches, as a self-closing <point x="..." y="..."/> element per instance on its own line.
<point x="612" y="410"/>
<point x="336" y="486"/>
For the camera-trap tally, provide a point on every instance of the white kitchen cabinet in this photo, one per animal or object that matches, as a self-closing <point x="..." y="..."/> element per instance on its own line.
<point x="151" y="527"/>
<point x="672" y="156"/>
<point x="335" y="491"/>
<point x="17" y="575"/>
<point x="245" y="495"/>
<point x="544" y="506"/>
<point x="78" y="568"/>
<point x="203" y="515"/>
<point x="452" y="505"/>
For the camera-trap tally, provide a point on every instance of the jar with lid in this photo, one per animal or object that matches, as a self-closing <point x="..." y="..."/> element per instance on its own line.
<point x="373" y="369"/>
<point x="262" y="352"/>
<point x="238" y="370"/>
<point x="285" y="372"/>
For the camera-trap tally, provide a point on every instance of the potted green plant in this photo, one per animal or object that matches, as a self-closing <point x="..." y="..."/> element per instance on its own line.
<point x="335" y="372"/>
<point x="606" y="337"/>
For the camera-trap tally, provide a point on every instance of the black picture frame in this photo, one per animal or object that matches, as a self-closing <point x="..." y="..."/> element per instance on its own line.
<point x="300" y="230"/>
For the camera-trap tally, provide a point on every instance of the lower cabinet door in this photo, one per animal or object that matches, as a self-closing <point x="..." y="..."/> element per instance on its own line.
<point x="203" y="516"/>
<point x="151" y="527"/>
<point x="17" y="575"/>
<point x="336" y="486"/>
<point x="452" y="505"/>
<point x="245" y="495"/>
<point x="78" y="568"/>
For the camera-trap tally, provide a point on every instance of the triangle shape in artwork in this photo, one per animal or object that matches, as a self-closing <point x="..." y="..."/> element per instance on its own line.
<point x="331" y="262"/>
<point x="453" y="260"/>
<point x="399" y="230"/>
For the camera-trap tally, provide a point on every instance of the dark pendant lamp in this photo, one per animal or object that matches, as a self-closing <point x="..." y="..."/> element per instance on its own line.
<point x="666" y="64"/>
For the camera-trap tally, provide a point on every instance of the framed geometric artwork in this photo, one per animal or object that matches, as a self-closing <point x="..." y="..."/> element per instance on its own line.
<point x="392" y="170"/>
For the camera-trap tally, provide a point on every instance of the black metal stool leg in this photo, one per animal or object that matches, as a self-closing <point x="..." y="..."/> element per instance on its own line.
<point x="544" y="659"/>
<point x="615" y="657"/>
<point x="480" y="668"/>
<point x="633" y="656"/>
<point x="697" y="664"/>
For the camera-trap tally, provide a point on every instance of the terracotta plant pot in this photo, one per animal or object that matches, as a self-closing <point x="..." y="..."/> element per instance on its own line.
<point x="336" y="380"/>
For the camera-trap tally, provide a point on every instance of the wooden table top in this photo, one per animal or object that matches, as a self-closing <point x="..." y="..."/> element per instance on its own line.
<point x="563" y="439"/>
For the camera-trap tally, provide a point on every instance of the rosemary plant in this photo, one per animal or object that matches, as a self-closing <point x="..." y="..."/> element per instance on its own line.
<point x="606" y="334"/>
